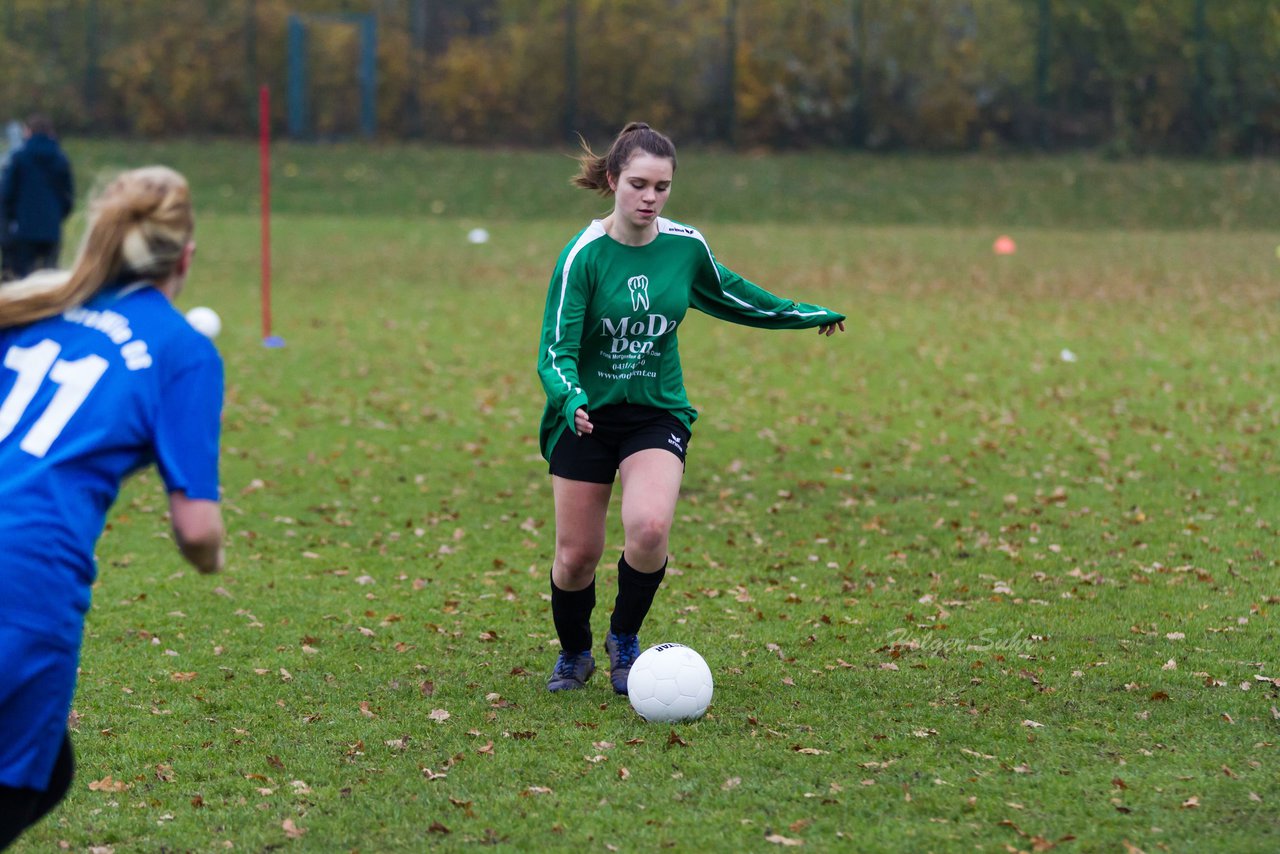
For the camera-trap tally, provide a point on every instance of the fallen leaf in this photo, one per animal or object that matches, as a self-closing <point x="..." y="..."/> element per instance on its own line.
<point x="1032" y="724"/>
<point x="107" y="784"/>
<point x="778" y="839"/>
<point x="291" y="830"/>
<point x="439" y="715"/>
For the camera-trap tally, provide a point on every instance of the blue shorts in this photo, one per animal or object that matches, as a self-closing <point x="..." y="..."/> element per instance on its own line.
<point x="39" y="680"/>
<point x="617" y="432"/>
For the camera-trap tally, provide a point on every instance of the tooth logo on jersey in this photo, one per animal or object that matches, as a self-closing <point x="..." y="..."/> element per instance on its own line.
<point x="639" y="286"/>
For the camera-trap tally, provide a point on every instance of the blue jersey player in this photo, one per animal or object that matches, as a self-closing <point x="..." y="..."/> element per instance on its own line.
<point x="99" y="376"/>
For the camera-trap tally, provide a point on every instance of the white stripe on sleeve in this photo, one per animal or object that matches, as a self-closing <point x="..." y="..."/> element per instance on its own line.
<point x="666" y="226"/>
<point x="592" y="232"/>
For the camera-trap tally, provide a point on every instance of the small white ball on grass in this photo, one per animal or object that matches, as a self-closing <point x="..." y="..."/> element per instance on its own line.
<point x="205" y="321"/>
<point x="478" y="235"/>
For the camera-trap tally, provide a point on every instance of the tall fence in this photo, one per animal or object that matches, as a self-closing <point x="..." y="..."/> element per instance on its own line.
<point x="1185" y="76"/>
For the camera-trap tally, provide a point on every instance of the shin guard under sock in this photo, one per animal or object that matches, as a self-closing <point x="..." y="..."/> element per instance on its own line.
<point x="571" y="612"/>
<point x="635" y="594"/>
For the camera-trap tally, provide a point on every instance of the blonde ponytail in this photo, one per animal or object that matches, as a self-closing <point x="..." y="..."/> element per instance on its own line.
<point x="138" y="227"/>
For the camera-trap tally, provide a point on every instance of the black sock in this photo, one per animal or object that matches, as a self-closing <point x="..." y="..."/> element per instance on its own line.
<point x="571" y="612"/>
<point x="635" y="594"/>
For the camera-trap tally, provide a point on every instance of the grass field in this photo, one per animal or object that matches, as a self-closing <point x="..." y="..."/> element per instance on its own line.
<point x="957" y="592"/>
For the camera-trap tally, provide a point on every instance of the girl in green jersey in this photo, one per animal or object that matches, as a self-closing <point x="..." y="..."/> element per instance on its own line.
<point x="616" y="403"/>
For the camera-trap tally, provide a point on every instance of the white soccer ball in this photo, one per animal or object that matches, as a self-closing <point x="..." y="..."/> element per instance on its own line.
<point x="205" y="321"/>
<point x="670" y="682"/>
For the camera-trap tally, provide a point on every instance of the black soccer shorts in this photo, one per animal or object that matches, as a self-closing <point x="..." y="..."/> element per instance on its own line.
<point x="618" y="432"/>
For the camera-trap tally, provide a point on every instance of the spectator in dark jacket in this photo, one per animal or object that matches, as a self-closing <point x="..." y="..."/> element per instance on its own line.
<point x="13" y="132"/>
<point x="36" y="196"/>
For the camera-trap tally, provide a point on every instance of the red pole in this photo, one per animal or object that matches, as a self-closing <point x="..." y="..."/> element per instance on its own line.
<point x="264" y="160"/>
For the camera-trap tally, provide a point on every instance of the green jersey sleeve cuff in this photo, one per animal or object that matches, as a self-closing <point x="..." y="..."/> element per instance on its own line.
<point x="575" y="402"/>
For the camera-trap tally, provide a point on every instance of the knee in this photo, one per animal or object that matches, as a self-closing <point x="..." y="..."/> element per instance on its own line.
<point x="578" y="560"/>
<point x="648" y="535"/>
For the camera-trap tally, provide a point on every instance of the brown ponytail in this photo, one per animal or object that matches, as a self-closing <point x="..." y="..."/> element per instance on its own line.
<point x="138" y="227"/>
<point x="594" y="170"/>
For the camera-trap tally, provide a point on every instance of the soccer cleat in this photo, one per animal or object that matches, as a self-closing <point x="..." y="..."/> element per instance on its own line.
<point x="623" y="651"/>
<point x="571" y="672"/>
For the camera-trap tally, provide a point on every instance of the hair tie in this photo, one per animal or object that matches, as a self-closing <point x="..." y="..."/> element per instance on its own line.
<point x="134" y="248"/>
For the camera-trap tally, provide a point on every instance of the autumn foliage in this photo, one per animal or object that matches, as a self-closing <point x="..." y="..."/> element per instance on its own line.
<point x="908" y="74"/>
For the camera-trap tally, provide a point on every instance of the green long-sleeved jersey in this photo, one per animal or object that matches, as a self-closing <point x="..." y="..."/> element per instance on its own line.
<point x="609" y="330"/>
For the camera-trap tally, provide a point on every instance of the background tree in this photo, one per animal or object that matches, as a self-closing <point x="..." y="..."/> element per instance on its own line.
<point x="1182" y="76"/>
